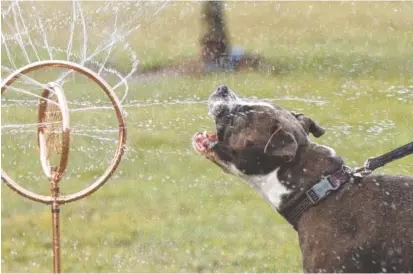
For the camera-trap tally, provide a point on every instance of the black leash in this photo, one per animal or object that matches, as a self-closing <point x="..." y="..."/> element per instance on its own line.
<point x="374" y="163"/>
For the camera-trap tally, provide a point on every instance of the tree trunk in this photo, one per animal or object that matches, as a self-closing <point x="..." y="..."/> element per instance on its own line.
<point x="214" y="41"/>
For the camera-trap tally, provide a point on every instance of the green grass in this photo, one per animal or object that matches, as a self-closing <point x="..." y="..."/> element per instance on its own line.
<point x="167" y="209"/>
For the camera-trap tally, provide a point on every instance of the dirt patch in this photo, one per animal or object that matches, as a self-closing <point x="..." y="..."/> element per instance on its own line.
<point x="197" y="67"/>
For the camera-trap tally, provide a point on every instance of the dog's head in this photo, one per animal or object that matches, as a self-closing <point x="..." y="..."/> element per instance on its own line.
<point x="255" y="136"/>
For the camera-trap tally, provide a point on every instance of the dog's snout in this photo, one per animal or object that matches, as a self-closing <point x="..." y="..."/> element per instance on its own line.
<point x="222" y="90"/>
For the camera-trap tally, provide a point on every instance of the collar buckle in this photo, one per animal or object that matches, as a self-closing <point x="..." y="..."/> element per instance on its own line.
<point x="321" y="190"/>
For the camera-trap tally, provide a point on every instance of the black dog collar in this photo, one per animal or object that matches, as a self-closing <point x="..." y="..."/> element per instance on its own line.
<point x="315" y="194"/>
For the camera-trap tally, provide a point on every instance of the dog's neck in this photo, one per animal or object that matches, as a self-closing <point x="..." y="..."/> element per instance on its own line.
<point x="311" y="163"/>
<point x="289" y="181"/>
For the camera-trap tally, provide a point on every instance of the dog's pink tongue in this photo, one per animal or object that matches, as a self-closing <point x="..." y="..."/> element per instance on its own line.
<point x="199" y="137"/>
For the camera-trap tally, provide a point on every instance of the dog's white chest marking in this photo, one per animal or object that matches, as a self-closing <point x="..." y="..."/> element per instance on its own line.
<point x="270" y="188"/>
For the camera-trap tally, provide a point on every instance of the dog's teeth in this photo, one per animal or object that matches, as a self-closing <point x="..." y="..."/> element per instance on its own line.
<point x="204" y="133"/>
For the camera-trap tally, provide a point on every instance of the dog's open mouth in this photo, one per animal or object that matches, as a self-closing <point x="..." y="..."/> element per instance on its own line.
<point x="204" y="142"/>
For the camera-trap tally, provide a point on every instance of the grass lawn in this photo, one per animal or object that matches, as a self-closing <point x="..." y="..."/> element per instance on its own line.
<point x="349" y="66"/>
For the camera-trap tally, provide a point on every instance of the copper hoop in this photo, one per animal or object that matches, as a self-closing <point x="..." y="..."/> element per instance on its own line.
<point x="121" y="136"/>
<point x="56" y="174"/>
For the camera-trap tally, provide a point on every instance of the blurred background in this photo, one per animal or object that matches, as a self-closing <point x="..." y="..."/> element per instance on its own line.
<point x="348" y="65"/>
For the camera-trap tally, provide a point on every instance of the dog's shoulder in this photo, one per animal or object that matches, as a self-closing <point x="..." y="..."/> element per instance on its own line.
<point x="395" y="189"/>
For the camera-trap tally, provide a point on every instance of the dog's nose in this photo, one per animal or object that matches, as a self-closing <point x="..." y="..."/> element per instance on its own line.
<point x="221" y="90"/>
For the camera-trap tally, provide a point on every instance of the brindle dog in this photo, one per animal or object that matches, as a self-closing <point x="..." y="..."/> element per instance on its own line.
<point x="365" y="226"/>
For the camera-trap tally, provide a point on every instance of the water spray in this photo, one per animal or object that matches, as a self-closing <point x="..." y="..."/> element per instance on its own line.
<point x="53" y="133"/>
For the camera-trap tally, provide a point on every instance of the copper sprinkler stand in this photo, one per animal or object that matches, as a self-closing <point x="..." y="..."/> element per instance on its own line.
<point x="56" y="173"/>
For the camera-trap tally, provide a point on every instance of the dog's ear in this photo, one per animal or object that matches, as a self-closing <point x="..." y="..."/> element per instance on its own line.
<point x="309" y="125"/>
<point x="283" y="144"/>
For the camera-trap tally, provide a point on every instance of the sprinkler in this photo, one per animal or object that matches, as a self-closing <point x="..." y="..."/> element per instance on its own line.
<point x="53" y="134"/>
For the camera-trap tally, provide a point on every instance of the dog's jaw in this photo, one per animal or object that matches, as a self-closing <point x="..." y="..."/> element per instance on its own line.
<point x="267" y="185"/>
<point x="203" y="143"/>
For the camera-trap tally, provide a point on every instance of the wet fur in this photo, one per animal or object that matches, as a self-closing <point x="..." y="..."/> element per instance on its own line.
<point x="367" y="226"/>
